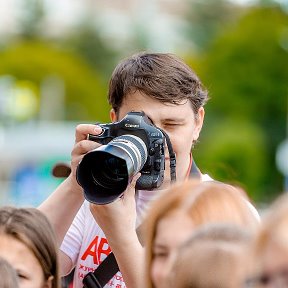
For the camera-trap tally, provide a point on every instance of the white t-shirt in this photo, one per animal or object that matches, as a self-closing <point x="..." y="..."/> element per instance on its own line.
<point x="86" y="245"/>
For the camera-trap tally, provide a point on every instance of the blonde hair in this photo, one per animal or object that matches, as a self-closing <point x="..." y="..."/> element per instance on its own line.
<point x="211" y="257"/>
<point x="32" y="228"/>
<point x="203" y="202"/>
<point x="219" y="202"/>
<point x="275" y="223"/>
<point x="273" y="230"/>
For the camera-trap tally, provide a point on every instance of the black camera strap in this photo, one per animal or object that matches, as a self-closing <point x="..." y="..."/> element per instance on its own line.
<point x="102" y="274"/>
<point x="172" y="156"/>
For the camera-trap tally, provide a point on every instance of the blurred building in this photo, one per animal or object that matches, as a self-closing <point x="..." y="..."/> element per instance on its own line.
<point x="32" y="140"/>
<point x="28" y="154"/>
<point x="161" y="19"/>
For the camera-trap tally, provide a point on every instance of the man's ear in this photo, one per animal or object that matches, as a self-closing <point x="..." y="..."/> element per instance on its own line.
<point x="113" y="116"/>
<point x="199" y="122"/>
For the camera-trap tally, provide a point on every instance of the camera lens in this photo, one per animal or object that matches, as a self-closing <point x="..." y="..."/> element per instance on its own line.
<point x="112" y="172"/>
<point x="105" y="172"/>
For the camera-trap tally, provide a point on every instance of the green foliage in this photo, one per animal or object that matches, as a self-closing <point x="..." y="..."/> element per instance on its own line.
<point x="246" y="69"/>
<point x="207" y="18"/>
<point x="233" y="151"/>
<point x="87" y="42"/>
<point x="85" y="91"/>
<point x="251" y="60"/>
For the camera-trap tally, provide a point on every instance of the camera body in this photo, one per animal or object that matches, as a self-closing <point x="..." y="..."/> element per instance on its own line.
<point x="138" y="124"/>
<point x="129" y="146"/>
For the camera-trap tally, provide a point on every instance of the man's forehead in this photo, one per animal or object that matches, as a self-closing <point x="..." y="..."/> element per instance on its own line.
<point x="158" y="117"/>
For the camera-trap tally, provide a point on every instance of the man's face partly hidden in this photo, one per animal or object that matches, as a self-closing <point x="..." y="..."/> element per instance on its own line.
<point x="178" y="121"/>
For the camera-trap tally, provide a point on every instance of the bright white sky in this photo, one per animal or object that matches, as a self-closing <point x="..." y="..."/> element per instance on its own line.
<point x="72" y="9"/>
<point x="242" y="1"/>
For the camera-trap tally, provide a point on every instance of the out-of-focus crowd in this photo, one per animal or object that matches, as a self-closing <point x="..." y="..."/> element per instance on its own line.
<point x="196" y="234"/>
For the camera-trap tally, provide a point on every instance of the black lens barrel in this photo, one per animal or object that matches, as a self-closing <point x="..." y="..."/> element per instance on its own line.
<point x="105" y="172"/>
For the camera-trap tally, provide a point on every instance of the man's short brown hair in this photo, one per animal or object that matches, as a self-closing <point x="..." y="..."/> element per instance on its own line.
<point x="162" y="76"/>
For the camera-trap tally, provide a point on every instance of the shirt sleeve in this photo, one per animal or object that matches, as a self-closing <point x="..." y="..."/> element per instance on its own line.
<point x="74" y="237"/>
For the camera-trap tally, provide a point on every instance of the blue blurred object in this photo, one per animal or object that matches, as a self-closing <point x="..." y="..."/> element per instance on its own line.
<point x="31" y="184"/>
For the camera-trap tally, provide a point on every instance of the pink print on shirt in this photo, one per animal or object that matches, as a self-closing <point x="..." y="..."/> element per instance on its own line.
<point x="99" y="249"/>
<point x="96" y="249"/>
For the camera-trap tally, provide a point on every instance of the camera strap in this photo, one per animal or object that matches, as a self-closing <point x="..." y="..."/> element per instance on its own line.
<point x="172" y="156"/>
<point x="102" y="274"/>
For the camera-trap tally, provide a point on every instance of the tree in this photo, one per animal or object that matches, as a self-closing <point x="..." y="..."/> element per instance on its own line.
<point x="246" y="69"/>
<point x="86" y="41"/>
<point x="207" y="18"/>
<point x="85" y="90"/>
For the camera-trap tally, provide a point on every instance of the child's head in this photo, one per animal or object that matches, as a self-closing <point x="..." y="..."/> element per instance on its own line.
<point x="183" y="208"/>
<point x="268" y="265"/>
<point x="213" y="256"/>
<point x="28" y="242"/>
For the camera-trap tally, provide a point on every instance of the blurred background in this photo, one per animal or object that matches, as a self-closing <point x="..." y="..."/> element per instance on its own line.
<point x="56" y="58"/>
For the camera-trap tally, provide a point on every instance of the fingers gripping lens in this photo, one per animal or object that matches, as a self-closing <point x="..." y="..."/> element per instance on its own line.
<point x="105" y="172"/>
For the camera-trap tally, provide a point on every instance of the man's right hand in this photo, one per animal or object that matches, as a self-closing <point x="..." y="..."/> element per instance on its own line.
<point x="82" y="146"/>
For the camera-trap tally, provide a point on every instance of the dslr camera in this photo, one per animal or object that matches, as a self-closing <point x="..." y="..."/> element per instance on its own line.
<point x="129" y="146"/>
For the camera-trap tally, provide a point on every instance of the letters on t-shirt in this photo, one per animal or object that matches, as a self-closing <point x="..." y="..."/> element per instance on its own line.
<point x="96" y="248"/>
